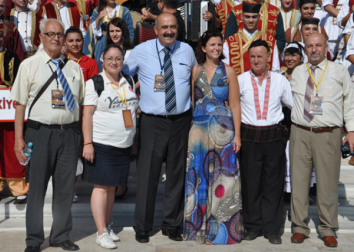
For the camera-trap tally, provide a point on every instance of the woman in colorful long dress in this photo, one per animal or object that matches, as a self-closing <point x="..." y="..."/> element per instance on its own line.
<point x="213" y="206"/>
<point x="95" y="39"/>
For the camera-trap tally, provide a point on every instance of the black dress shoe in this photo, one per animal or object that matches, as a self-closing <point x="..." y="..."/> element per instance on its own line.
<point x="173" y="234"/>
<point x="66" y="245"/>
<point x="122" y="195"/>
<point x="274" y="239"/>
<point x="251" y="235"/>
<point x="141" y="236"/>
<point x="20" y="201"/>
<point x="32" y="249"/>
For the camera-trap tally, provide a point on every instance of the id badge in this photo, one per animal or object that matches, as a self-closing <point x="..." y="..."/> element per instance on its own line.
<point x="58" y="99"/>
<point x="128" y="119"/>
<point x="316" y="105"/>
<point x="159" y="85"/>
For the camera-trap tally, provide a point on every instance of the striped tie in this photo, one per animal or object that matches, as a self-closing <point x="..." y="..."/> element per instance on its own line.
<point x="170" y="93"/>
<point x="309" y="92"/>
<point x="68" y="95"/>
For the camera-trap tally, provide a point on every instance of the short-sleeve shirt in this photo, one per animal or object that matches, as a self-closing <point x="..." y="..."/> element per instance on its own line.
<point x="108" y="123"/>
<point x="33" y="74"/>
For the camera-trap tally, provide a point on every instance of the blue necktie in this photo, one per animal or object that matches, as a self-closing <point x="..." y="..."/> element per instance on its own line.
<point x="68" y="95"/>
<point x="170" y="93"/>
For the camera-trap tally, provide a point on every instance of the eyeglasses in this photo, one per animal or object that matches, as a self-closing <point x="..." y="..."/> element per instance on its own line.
<point x="51" y="35"/>
<point x="110" y="60"/>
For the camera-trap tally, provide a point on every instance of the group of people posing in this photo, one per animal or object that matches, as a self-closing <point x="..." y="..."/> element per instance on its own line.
<point x="253" y="111"/>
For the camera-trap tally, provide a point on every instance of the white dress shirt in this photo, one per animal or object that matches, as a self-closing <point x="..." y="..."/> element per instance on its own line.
<point x="23" y="21"/>
<point x="65" y="18"/>
<point x="275" y="63"/>
<point x="280" y="92"/>
<point x="336" y="89"/>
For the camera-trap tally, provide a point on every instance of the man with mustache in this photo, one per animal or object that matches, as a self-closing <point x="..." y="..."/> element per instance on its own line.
<point x="323" y="97"/>
<point x="27" y="23"/>
<point x="270" y="21"/>
<point x="236" y="46"/>
<point x="164" y="67"/>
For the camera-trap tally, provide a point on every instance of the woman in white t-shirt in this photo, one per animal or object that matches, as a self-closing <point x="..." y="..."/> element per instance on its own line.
<point x="109" y="123"/>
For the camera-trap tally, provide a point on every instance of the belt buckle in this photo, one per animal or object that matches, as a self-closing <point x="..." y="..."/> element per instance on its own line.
<point x="311" y="129"/>
<point x="62" y="127"/>
<point x="167" y="116"/>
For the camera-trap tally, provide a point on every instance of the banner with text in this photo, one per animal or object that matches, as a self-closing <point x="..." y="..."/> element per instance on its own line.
<point x="8" y="107"/>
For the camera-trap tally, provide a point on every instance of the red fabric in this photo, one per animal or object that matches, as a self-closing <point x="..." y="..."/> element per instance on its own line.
<point x="89" y="67"/>
<point x="335" y="2"/>
<point x="12" y="41"/>
<point x="256" y="98"/>
<point x="49" y="8"/>
<point x="9" y="164"/>
<point x="1" y="81"/>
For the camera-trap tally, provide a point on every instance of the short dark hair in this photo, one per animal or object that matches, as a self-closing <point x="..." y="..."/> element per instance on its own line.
<point x="302" y="2"/>
<point x="259" y="42"/>
<point x="120" y="23"/>
<point x="111" y="46"/>
<point x="73" y="29"/>
<point x="171" y="4"/>
<point x="203" y="40"/>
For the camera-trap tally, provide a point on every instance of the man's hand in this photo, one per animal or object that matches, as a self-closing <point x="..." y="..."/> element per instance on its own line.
<point x="146" y="15"/>
<point x="207" y="16"/>
<point x="64" y="50"/>
<point x="350" y="139"/>
<point x="19" y="145"/>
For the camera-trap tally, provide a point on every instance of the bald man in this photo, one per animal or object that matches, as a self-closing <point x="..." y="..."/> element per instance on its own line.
<point x="164" y="66"/>
<point x="323" y="95"/>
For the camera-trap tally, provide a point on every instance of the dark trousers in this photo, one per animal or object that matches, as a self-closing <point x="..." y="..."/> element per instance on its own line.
<point x="160" y="137"/>
<point x="55" y="153"/>
<point x="262" y="168"/>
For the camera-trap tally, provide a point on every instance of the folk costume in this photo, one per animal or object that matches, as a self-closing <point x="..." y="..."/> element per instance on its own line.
<point x="262" y="157"/>
<point x="33" y="5"/>
<point x="349" y="50"/>
<point x="69" y="14"/>
<point x="12" y="39"/>
<point x="11" y="170"/>
<point x="294" y="33"/>
<point x="95" y="40"/>
<point x="235" y="48"/>
<point x="213" y="206"/>
<point x="27" y="23"/>
<point x="290" y="18"/>
<point x="271" y="21"/>
<point x="223" y="9"/>
<point x="88" y="65"/>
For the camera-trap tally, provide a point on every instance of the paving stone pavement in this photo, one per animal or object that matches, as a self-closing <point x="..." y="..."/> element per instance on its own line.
<point x="12" y="226"/>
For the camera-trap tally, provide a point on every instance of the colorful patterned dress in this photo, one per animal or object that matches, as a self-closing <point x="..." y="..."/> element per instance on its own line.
<point x="213" y="206"/>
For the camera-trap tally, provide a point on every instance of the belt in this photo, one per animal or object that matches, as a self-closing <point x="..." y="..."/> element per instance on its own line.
<point x="317" y="130"/>
<point x="170" y="116"/>
<point x="37" y="125"/>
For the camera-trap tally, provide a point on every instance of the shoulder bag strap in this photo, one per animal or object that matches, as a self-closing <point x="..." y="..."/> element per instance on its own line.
<point x="45" y="86"/>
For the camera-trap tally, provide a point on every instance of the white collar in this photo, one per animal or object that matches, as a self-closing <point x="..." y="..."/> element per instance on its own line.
<point x="250" y="35"/>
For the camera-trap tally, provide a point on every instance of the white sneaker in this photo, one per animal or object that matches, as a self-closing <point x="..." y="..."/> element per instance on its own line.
<point x="105" y="241"/>
<point x="75" y="198"/>
<point x="114" y="237"/>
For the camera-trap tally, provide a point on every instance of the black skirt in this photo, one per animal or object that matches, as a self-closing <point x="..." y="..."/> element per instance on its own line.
<point x="110" y="166"/>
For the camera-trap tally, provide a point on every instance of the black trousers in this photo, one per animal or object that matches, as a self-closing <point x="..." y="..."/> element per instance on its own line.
<point x="160" y="137"/>
<point x="262" y="168"/>
<point x="55" y="153"/>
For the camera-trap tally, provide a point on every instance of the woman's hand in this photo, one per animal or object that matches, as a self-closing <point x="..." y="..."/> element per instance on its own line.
<point x="89" y="152"/>
<point x="102" y="14"/>
<point x="207" y="16"/>
<point x="237" y="143"/>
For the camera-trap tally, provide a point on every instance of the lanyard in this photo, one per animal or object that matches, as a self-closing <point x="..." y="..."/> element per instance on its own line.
<point x="78" y="62"/>
<point x="56" y="77"/>
<point x="125" y="97"/>
<point x="314" y="78"/>
<point x="158" y="55"/>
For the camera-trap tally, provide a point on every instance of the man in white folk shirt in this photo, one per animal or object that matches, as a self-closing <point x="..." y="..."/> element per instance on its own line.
<point x="27" y="23"/>
<point x="323" y="97"/>
<point x="262" y="157"/>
